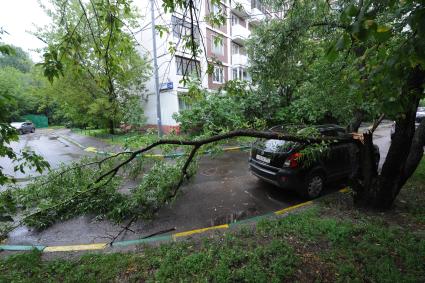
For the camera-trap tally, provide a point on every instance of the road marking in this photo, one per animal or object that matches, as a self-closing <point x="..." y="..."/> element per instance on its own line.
<point x="72" y="248"/>
<point x="197" y="231"/>
<point x="91" y="149"/>
<point x="282" y="211"/>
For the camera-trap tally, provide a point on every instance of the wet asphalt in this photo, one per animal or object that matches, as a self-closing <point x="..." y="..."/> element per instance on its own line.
<point x="222" y="191"/>
<point x="47" y="143"/>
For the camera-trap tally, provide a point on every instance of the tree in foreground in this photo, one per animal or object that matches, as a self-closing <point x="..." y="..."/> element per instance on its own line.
<point x="92" y="42"/>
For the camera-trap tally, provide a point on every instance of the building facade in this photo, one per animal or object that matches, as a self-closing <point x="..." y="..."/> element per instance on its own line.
<point x="225" y="43"/>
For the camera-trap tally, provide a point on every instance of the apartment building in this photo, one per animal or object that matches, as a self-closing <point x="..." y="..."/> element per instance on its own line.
<point x="224" y="43"/>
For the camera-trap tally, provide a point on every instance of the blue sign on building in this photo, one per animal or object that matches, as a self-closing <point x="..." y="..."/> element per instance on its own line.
<point x="166" y="86"/>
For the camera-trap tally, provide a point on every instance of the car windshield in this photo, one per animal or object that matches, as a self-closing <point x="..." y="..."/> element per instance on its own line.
<point x="16" y="124"/>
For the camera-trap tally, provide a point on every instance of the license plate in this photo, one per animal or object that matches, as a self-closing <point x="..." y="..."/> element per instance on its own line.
<point x="262" y="158"/>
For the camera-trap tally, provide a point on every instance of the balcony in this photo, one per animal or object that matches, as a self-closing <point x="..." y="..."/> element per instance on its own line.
<point x="239" y="59"/>
<point x="241" y="8"/>
<point x="257" y="16"/>
<point x="240" y="34"/>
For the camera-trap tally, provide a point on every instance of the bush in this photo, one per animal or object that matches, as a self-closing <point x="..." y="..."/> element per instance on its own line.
<point x="235" y="106"/>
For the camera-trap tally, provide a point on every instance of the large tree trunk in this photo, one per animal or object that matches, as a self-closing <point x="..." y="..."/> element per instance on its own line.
<point x="356" y="121"/>
<point x="111" y="126"/>
<point x="380" y="190"/>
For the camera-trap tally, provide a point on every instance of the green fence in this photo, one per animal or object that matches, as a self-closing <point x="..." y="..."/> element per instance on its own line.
<point x="40" y="121"/>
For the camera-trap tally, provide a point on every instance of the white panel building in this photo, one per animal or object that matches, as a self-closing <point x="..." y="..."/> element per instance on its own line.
<point x="241" y="18"/>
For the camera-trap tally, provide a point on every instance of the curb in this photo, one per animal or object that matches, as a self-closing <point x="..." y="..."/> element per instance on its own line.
<point x="93" y="149"/>
<point x="164" y="238"/>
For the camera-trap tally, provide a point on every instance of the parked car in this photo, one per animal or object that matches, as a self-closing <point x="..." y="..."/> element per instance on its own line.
<point x="23" y="127"/>
<point x="277" y="162"/>
<point x="420" y="115"/>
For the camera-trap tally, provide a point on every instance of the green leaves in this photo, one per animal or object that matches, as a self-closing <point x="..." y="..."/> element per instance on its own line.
<point x="343" y="42"/>
<point x="92" y="57"/>
<point x="161" y="30"/>
<point x="52" y="66"/>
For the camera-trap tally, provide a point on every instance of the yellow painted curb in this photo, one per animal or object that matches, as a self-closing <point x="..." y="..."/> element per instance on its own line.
<point x="344" y="190"/>
<point x="154" y="156"/>
<point x="197" y="231"/>
<point x="91" y="149"/>
<point x="76" y="248"/>
<point x="282" y="211"/>
<point x="232" y="148"/>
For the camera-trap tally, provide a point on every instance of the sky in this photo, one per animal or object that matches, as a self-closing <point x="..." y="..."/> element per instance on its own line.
<point x="18" y="17"/>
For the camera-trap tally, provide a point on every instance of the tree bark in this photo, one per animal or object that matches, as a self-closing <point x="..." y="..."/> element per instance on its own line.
<point x="111" y="126"/>
<point x="380" y="190"/>
<point x="416" y="152"/>
<point x="356" y="121"/>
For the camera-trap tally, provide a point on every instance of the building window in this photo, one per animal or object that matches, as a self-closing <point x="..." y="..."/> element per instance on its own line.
<point x="187" y="66"/>
<point x="238" y="49"/>
<point x="240" y="73"/>
<point x="217" y="44"/>
<point x="183" y="28"/>
<point x="183" y="105"/>
<point x="218" y="75"/>
<point x="256" y="4"/>
<point x="216" y="9"/>
<point x="235" y="20"/>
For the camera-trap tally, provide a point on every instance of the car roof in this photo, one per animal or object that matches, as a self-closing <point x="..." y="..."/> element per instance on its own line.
<point x="321" y="128"/>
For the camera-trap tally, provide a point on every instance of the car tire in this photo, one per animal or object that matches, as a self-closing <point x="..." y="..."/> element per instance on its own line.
<point x="314" y="185"/>
<point x="20" y="132"/>
<point x="32" y="130"/>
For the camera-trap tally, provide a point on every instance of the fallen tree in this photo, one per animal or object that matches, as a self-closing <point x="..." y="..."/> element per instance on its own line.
<point x="147" y="199"/>
<point x="93" y="180"/>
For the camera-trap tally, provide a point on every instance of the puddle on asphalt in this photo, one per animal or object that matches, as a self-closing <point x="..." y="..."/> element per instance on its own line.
<point x="235" y="216"/>
<point x="21" y="231"/>
<point x="72" y="155"/>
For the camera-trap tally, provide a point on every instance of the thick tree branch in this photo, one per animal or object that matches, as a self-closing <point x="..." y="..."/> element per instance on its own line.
<point x="416" y="152"/>
<point x="232" y="134"/>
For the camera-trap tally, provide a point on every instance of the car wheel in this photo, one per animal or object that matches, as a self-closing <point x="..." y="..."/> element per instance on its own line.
<point x="20" y="132"/>
<point x="314" y="186"/>
<point x="32" y="130"/>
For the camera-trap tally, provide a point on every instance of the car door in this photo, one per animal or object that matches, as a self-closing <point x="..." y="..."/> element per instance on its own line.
<point x="337" y="163"/>
<point x="26" y="128"/>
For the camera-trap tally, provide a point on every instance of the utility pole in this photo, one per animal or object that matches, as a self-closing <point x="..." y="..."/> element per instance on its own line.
<point x="155" y="66"/>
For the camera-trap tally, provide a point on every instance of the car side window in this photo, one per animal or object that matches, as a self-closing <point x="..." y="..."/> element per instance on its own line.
<point x="341" y="133"/>
<point x="331" y="133"/>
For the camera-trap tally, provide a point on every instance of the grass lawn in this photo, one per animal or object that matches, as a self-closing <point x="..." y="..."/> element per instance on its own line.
<point x="119" y="138"/>
<point x="134" y="140"/>
<point x="330" y="242"/>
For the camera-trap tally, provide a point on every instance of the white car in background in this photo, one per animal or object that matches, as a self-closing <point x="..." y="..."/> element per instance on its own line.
<point x="420" y="115"/>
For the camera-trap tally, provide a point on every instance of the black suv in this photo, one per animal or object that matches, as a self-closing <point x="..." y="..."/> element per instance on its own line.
<point x="276" y="161"/>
